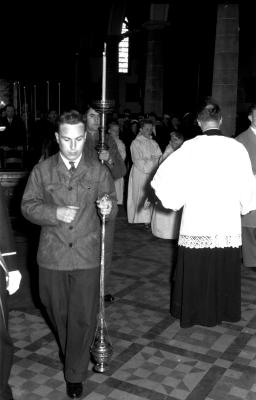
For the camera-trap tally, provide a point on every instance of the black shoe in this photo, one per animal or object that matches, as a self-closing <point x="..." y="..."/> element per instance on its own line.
<point x="74" y="389"/>
<point x="109" y="298"/>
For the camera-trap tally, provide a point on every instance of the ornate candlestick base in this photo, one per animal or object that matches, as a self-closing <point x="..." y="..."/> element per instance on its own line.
<point x="101" y="349"/>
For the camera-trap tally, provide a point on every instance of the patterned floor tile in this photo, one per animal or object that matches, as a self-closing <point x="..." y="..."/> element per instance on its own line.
<point x="153" y="358"/>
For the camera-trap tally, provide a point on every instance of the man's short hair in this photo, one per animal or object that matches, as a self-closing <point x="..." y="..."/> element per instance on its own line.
<point x="113" y="123"/>
<point x="146" y="122"/>
<point x="209" y="110"/>
<point x="71" y="117"/>
<point x="177" y="134"/>
<point x="251" y="108"/>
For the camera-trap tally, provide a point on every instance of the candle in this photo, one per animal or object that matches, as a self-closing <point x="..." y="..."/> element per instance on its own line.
<point x="25" y="108"/>
<point x="35" y="101"/>
<point x="59" y="97"/>
<point x="48" y="96"/>
<point x="19" y="98"/>
<point x="15" y="96"/>
<point x="104" y="64"/>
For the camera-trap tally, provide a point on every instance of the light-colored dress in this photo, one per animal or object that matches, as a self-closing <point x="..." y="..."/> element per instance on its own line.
<point x="145" y="155"/>
<point x="165" y="223"/>
<point x="119" y="183"/>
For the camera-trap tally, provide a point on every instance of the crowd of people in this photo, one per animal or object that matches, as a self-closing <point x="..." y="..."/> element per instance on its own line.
<point x="192" y="188"/>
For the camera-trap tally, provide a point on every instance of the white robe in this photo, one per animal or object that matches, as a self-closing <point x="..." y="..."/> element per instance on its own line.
<point x="145" y="155"/>
<point x="213" y="191"/>
<point x="165" y="223"/>
<point x="119" y="183"/>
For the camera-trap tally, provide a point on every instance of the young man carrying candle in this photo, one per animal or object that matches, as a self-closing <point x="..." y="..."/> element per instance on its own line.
<point x="61" y="195"/>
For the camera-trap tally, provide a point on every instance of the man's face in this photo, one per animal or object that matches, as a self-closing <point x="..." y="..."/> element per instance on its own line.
<point x="92" y="120"/>
<point x="10" y="112"/>
<point x="176" y="142"/>
<point x="252" y="118"/>
<point x="71" y="140"/>
<point x="147" y="130"/>
<point x="52" y="116"/>
<point x="114" y="131"/>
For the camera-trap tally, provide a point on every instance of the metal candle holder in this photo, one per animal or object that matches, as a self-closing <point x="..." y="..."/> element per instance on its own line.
<point x="103" y="107"/>
<point x="102" y="348"/>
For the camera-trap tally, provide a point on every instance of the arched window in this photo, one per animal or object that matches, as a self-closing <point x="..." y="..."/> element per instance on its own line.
<point x="123" y="50"/>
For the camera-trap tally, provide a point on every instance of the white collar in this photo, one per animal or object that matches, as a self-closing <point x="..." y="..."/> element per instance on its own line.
<point x="253" y="129"/>
<point x="66" y="161"/>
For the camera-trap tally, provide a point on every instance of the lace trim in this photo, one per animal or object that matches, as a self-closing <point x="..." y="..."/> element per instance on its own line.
<point x="201" y="242"/>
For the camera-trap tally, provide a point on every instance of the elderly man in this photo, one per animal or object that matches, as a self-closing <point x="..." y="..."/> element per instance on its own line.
<point x="62" y="195"/>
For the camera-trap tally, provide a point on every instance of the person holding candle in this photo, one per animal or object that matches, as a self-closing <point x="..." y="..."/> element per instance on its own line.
<point x="62" y="197"/>
<point x="113" y="161"/>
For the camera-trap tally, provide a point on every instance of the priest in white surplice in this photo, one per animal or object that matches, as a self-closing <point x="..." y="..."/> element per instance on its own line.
<point x="211" y="177"/>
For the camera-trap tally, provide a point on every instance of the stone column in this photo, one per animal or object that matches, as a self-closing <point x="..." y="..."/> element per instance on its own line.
<point x="154" y="79"/>
<point x="225" y="72"/>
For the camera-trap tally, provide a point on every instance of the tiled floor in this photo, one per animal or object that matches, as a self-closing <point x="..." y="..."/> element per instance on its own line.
<point x="153" y="358"/>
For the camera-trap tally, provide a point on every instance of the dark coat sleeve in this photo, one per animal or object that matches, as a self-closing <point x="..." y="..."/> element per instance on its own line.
<point x="7" y="242"/>
<point x="117" y="168"/>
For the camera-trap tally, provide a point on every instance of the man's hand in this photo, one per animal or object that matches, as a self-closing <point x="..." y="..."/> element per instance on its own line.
<point x="13" y="283"/>
<point x="147" y="204"/>
<point x="67" y="214"/>
<point x="104" y="155"/>
<point x="105" y="205"/>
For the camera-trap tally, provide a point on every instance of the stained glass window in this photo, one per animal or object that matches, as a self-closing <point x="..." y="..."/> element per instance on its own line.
<point x="123" y="50"/>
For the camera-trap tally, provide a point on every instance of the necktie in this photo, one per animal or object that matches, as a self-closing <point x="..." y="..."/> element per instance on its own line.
<point x="72" y="167"/>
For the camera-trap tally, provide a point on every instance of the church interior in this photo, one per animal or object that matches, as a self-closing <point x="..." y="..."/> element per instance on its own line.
<point x="178" y="53"/>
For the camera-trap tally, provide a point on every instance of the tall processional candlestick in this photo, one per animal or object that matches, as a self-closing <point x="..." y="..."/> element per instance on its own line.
<point x="26" y="116"/>
<point x="19" y="99"/>
<point x="103" y="96"/>
<point x="103" y="106"/>
<point x="48" y="95"/>
<point x="25" y="108"/>
<point x="101" y="348"/>
<point x="59" y="97"/>
<point x="35" y="110"/>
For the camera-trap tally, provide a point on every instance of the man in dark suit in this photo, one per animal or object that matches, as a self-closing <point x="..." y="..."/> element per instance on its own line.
<point x="248" y="139"/>
<point x="9" y="282"/>
<point x="15" y="133"/>
<point x="13" y="138"/>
